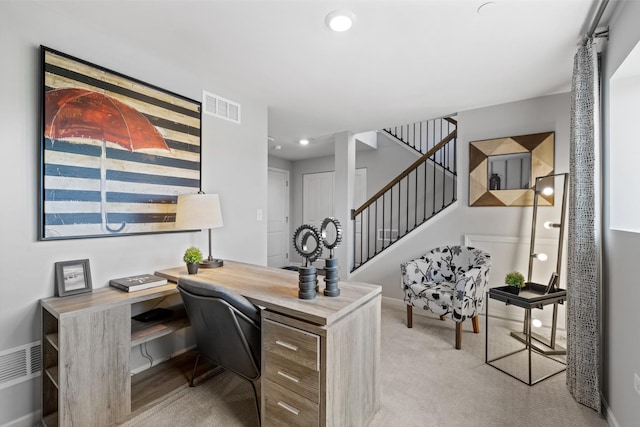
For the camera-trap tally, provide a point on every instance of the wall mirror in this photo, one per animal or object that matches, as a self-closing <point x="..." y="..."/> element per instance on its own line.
<point x="502" y="170"/>
<point x="509" y="171"/>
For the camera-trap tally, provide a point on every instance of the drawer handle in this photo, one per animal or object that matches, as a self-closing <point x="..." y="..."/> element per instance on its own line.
<point x="287" y="345"/>
<point x="289" y="408"/>
<point x="289" y="377"/>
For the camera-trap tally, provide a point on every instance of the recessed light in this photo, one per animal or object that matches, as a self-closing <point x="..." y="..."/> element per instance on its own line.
<point x="304" y="142"/>
<point x="340" y="20"/>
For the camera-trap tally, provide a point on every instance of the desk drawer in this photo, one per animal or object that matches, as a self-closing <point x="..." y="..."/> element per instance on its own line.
<point x="292" y="344"/>
<point x="295" y="377"/>
<point x="285" y="408"/>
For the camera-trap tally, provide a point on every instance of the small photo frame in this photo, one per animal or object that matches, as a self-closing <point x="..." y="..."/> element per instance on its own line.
<point x="552" y="283"/>
<point x="73" y="277"/>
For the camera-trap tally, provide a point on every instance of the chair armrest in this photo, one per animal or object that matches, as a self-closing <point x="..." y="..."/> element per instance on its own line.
<point x="471" y="284"/>
<point x="416" y="271"/>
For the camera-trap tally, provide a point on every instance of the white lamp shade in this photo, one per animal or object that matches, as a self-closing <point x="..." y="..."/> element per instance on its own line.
<point x="198" y="211"/>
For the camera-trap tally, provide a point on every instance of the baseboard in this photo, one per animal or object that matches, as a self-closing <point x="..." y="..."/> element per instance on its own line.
<point x="400" y="304"/>
<point x="608" y="413"/>
<point x="29" y="420"/>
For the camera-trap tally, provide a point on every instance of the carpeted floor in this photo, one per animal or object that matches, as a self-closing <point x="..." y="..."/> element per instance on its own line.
<point x="425" y="382"/>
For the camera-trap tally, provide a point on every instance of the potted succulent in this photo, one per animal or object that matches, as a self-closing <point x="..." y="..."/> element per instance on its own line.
<point x="193" y="258"/>
<point x="515" y="280"/>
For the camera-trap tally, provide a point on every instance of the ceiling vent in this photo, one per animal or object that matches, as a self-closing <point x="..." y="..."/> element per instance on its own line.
<point x="220" y="107"/>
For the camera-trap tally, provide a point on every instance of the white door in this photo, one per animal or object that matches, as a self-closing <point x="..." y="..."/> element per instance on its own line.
<point x="317" y="198"/>
<point x="278" y="218"/>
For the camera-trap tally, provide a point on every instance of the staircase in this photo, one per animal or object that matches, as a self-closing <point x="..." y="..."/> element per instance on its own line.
<point x="420" y="192"/>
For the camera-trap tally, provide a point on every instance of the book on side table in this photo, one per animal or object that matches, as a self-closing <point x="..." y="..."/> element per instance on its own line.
<point x="138" y="283"/>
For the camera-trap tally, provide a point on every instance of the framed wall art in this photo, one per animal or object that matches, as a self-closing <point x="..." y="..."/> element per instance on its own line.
<point x="115" y="151"/>
<point x="73" y="277"/>
<point x="502" y="171"/>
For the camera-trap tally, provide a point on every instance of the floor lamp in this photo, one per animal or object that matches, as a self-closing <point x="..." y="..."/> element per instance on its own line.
<point x="197" y="212"/>
<point x="545" y="187"/>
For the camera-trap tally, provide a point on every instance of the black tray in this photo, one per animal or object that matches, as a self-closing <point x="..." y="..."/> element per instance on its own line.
<point x="529" y="296"/>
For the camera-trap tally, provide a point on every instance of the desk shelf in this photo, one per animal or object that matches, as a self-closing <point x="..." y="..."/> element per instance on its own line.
<point x="142" y="332"/>
<point x="53" y="340"/>
<point x="94" y="332"/>
<point x="51" y="420"/>
<point x="52" y="373"/>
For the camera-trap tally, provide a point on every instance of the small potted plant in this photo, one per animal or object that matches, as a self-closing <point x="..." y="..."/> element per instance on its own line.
<point x="515" y="280"/>
<point x="193" y="258"/>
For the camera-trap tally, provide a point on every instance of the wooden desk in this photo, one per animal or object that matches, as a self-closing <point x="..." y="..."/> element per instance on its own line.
<point x="87" y="342"/>
<point x="332" y="378"/>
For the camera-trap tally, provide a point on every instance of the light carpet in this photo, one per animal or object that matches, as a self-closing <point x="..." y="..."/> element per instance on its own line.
<point x="425" y="382"/>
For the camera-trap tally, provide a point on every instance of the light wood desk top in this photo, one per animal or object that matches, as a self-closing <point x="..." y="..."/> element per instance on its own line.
<point x="277" y="289"/>
<point x="103" y="298"/>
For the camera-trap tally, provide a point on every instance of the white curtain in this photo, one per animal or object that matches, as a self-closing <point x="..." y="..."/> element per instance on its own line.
<point x="583" y="276"/>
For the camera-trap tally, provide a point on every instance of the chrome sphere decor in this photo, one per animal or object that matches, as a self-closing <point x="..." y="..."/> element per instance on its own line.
<point x="331" y="264"/>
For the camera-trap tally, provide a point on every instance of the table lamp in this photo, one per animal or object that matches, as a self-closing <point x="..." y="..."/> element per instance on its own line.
<point x="200" y="211"/>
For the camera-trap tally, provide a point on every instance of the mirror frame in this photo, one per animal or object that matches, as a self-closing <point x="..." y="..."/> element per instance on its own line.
<point x="542" y="149"/>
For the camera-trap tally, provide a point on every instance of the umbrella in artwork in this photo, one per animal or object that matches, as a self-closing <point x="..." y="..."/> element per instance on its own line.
<point x="73" y="113"/>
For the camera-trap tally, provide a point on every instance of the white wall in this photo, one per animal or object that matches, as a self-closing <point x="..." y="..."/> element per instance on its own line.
<point x="549" y="113"/>
<point x="621" y="292"/>
<point x="624" y="152"/>
<point x="234" y="164"/>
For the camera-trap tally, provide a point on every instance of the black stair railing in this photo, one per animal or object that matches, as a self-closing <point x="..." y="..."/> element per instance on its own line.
<point x="416" y="195"/>
<point x="423" y="136"/>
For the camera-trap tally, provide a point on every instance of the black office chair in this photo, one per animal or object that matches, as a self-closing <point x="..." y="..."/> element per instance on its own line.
<point x="227" y="329"/>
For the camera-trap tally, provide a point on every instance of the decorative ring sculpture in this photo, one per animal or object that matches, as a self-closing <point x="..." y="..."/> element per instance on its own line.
<point x="306" y="232"/>
<point x="323" y="232"/>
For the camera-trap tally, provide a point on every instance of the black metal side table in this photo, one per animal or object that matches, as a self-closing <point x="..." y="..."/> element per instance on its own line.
<point x="529" y="297"/>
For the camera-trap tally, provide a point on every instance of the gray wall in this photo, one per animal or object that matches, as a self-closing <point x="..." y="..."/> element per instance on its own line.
<point x="621" y="290"/>
<point x="26" y="264"/>
<point x="382" y="164"/>
<point x="275" y="162"/>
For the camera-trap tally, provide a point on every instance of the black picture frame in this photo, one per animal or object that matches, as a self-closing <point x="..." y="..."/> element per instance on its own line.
<point x="73" y="277"/>
<point x="115" y="152"/>
<point x="552" y="283"/>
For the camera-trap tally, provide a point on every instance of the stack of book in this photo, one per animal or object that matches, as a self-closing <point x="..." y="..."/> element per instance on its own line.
<point x="137" y="283"/>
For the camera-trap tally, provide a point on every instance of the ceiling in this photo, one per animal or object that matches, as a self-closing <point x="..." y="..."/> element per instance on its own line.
<point x="402" y="61"/>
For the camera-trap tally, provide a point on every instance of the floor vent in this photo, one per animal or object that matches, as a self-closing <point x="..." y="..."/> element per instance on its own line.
<point x="218" y="106"/>
<point x="20" y="364"/>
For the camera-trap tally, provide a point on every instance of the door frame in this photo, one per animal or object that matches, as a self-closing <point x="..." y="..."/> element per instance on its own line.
<point x="287" y="235"/>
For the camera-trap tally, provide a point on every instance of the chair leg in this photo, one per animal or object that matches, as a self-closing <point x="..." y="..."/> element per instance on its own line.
<point x="458" y="335"/>
<point x="476" y="325"/>
<point x="409" y="316"/>
<point x="255" y="393"/>
<point x="195" y="367"/>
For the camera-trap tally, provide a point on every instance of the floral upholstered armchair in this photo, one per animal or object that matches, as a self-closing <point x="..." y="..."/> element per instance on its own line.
<point x="449" y="281"/>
